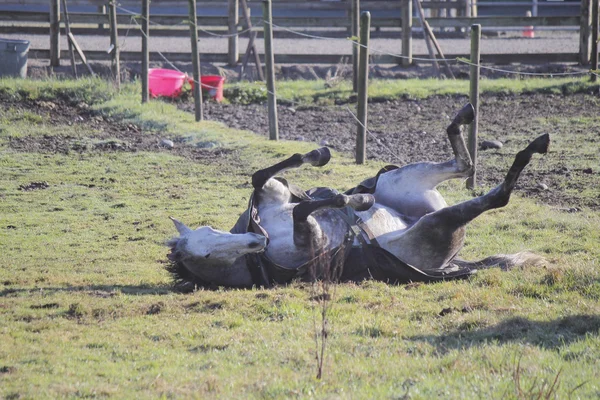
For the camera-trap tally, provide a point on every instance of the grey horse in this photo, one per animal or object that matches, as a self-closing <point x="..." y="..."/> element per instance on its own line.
<point x="395" y="227"/>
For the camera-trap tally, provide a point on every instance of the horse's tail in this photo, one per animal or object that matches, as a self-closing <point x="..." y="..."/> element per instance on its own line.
<point x="504" y="261"/>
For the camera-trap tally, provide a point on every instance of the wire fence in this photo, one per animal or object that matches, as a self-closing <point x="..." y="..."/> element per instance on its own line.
<point x="345" y="108"/>
<point x="136" y="16"/>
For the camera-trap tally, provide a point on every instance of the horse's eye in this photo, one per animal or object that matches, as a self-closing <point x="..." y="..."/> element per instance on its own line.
<point x="206" y="256"/>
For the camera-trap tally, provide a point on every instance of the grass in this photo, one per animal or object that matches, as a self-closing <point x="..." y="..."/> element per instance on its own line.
<point x="319" y="92"/>
<point x="86" y="308"/>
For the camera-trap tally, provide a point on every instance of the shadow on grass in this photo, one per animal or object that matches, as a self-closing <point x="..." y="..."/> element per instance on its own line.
<point x="545" y="334"/>
<point x="97" y="290"/>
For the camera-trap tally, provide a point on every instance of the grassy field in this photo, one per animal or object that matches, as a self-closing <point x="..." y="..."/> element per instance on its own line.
<point x="87" y="310"/>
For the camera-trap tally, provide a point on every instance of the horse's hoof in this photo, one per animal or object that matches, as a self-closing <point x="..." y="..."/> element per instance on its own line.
<point x="361" y="202"/>
<point x="541" y="144"/>
<point x="318" y="157"/>
<point x="465" y="116"/>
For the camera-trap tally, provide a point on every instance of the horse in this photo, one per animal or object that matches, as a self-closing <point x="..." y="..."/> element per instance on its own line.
<point x="395" y="227"/>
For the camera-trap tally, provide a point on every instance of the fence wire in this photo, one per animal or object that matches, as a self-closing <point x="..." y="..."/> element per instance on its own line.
<point x="344" y="108"/>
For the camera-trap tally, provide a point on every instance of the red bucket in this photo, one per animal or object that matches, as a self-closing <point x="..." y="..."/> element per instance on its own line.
<point x="211" y="85"/>
<point x="165" y="82"/>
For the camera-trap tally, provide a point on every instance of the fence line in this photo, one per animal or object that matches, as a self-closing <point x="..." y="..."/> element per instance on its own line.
<point x="456" y="60"/>
<point x="92" y="18"/>
<point x="135" y="16"/>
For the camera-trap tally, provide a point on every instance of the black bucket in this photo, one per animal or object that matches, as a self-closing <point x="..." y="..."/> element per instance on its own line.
<point x="13" y="57"/>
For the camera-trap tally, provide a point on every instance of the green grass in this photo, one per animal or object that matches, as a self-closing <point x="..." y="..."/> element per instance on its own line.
<point x="86" y="308"/>
<point x="320" y="92"/>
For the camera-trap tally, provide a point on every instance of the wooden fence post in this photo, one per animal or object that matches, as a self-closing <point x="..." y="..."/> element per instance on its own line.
<point x="67" y="32"/>
<point x="355" y="24"/>
<point x="114" y="41"/>
<point x="474" y="98"/>
<point x="55" y="33"/>
<point x="270" y="64"/>
<point x="585" y="42"/>
<point x="195" y="61"/>
<point x="407" y="32"/>
<point x="233" y="21"/>
<point x="363" y="86"/>
<point x="101" y="10"/>
<point x="145" y="52"/>
<point x="595" y="39"/>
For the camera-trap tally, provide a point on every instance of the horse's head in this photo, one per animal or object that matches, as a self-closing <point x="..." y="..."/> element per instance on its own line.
<point x="212" y="256"/>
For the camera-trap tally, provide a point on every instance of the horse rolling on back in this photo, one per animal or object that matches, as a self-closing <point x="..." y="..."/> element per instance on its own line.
<point x="399" y="213"/>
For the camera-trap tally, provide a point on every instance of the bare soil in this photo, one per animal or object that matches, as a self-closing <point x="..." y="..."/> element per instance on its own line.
<point x="103" y="134"/>
<point x="410" y="130"/>
<point x="401" y="131"/>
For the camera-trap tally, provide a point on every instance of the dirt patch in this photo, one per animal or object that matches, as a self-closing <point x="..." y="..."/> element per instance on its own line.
<point x="102" y="135"/>
<point x="400" y="132"/>
<point x="34" y="186"/>
<point x="409" y="130"/>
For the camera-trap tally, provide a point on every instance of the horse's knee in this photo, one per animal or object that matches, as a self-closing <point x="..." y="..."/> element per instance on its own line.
<point x="259" y="178"/>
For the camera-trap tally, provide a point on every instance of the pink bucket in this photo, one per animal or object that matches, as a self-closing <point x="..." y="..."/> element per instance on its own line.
<point x="212" y="85"/>
<point x="165" y="82"/>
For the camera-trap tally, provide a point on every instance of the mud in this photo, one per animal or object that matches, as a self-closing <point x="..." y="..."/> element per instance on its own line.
<point x="410" y="130"/>
<point x="400" y="132"/>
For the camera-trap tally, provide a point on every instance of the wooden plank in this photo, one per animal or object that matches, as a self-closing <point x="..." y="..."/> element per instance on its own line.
<point x="474" y="73"/>
<point x="305" y="22"/>
<point x="363" y="88"/>
<point x="73" y="42"/>
<point x="145" y="55"/>
<point x="195" y="62"/>
<point x="407" y="33"/>
<point x="70" y="43"/>
<point x="585" y="30"/>
<point x="423" y="24"/>
<point x="355" y="24"/>
<point x="331" y="59"/>
<point x="54" y="33"/>
<point x="595" y="22"/>
<point x="251" y="45"/>
<point x="270" y="71"/>
<point x="114" y="42"/>
<point x="232" y="26"/>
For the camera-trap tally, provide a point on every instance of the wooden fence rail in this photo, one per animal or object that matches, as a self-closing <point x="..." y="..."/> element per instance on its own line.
<point x="40" y="22"/>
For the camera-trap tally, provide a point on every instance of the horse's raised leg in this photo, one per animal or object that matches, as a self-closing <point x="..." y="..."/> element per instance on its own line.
<point x="437" y="237"/>
<point x="465" y="116"/>
<point x="307" y="232"/>
<point x="411" y="190"/>
<point x="316" y="158"/>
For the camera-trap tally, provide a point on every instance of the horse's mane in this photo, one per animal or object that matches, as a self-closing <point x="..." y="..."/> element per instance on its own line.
<point x="183" y="280"/>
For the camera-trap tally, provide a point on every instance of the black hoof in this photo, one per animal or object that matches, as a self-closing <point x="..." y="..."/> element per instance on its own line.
<point x="541" y="144"/>
<point x="465" y="116"/>
<point x="318" y="157"/>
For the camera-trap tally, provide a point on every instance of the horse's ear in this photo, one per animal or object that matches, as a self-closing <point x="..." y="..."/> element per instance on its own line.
<point x="181" y="228"/>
